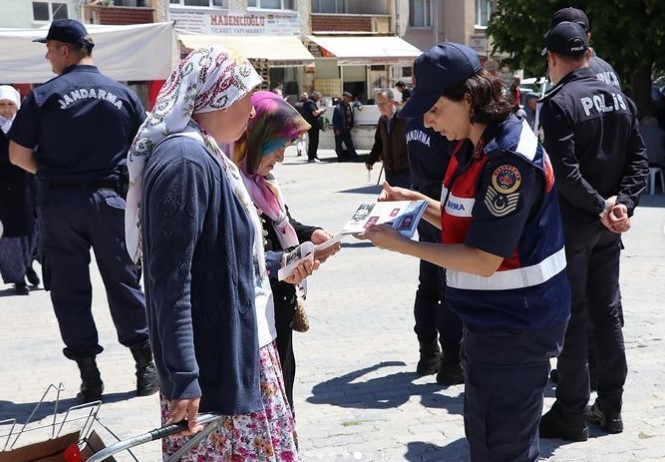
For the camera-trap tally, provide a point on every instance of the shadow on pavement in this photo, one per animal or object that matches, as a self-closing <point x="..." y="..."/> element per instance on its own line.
<point x="357" y="244"/>
<point x="455" y="451"/>
<point x="21" y="411"/>
<point x="385" y="392"/>
<point x="370" y="189"/>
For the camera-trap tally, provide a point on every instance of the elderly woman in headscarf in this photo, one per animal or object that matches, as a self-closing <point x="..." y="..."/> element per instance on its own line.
<point x="210" y="308"/>
<point x="19" y="241"/>
<point x="275" y="126"/>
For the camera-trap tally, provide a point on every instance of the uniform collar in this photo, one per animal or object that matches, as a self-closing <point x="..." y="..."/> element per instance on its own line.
<point x="81" y="68"/>
<point x="577" y="74"/>
<point x="502" y="137"/>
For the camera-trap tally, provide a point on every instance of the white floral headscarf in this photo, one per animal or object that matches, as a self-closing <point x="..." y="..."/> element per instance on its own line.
<point x="209" y="79"/>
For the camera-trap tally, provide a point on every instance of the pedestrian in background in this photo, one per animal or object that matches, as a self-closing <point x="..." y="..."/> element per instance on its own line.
<point x="74" y="132"/>
<point x="502" y="247"/>
<point x="19" y="240"/>
<point x="312" y="113"/>
<point x="404" y="91"/>
<point x="591" y="132"/>
<point x="429" y="154"/>
<point x="390" y="141"/>
<point x="209" y="300"/>
<point x="342" y="124"/>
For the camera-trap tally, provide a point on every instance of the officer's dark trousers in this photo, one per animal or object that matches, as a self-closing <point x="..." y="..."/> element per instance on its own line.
<point x="592" y="253"/>
<point x="431" y="309"/>
<point x="401" y="179"/>
<point x="313" y="144"/>
<point x="73" y="221"/>
<point x="345" y="137"/>
<point x="506" y="373"/>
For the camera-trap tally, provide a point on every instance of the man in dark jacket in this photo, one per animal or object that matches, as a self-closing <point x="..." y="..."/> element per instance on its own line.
<point x="311" y="113"/>
<point x="390" y="142"/>
<point x="342" y="125"/>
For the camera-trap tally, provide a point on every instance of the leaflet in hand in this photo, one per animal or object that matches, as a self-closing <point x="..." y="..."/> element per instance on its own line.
<point x="401" y="215"/>
<point x="304" y="251"/>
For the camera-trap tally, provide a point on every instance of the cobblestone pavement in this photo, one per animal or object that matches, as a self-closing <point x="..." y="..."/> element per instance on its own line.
<point x="357" y="395"/>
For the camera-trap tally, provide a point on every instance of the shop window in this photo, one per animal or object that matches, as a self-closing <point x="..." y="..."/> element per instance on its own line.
<point x="420" y="13"/>
<point x="272" y="4"/>
<point x="205" y="3"/>
<point x="329" y="6"/>
<point x="48" y="11"/>
<point x="483" y="12"/>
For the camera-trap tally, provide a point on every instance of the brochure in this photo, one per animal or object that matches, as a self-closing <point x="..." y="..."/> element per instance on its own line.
<point x="401" y="215"/>
<point x="305" y="251"/>
<point x="292" y="259"/>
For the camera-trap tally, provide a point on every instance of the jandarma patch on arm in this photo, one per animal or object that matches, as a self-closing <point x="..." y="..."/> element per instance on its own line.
<point x="506" y="179"/>
<point x="502" y="195"/>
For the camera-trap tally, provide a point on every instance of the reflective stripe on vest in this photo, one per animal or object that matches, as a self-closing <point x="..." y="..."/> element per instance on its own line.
<point x="518" y="278"/>
<point x="457" y="206"/>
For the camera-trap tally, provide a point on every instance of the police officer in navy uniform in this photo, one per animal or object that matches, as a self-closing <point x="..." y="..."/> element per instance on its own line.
<point x="591" y="134"/>
<point x="606" y="73"/>
<point x="502" y="247"/>
<point x="429" y="154"/>
<point x="74" y="132"/>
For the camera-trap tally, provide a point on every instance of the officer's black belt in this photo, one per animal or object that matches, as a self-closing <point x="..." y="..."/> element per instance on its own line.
<point x="80" y="185"/>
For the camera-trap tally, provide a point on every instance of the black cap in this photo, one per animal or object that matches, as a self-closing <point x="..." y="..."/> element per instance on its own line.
<point x="67" y="31"/>
<point x="566" y="38"/>
<point x="570" y="14"/>
<point x="439" y="68"/>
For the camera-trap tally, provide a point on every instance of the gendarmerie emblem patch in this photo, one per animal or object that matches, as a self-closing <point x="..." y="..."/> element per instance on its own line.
<point x="502" y="195"/>
<point x="506" y="179"/>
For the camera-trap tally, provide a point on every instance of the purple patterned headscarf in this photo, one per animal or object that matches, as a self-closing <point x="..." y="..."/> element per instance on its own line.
<point x="275" y="124"/>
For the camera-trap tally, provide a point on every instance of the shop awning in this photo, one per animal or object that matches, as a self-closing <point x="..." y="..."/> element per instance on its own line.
<point x="278" y="50"/>
<point x="351" y="50"/>
<point x="137" y="52"/>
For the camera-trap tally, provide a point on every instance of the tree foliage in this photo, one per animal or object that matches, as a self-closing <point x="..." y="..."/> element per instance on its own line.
<point x="629" y="34"/>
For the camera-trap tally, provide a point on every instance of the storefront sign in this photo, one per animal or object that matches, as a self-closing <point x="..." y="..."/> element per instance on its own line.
<point x="249" y="23"/>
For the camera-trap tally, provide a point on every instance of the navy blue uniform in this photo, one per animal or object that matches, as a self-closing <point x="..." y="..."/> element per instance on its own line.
<point x="591" y="133"/>
<point x="500" y="197"/>
<point x="429" y="154"/>
<point x="80" y="125"/>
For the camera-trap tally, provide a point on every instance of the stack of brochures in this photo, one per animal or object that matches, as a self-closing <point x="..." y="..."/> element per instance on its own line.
<point x="401" y="215"/>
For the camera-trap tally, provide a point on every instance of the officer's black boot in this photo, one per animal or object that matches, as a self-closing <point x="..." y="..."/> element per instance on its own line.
<point x="606" y="415"/>
<point x="450" y="369"/>
<point x="429" y="357"/>
<point x="146" y="374"/>
<point x="92" y="386"/>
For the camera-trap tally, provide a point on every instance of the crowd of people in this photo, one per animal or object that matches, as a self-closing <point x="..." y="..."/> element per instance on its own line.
<point x="519" y="247"/>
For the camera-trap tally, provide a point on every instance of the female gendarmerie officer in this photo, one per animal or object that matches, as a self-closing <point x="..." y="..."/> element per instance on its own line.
<point x="502" y="246"/>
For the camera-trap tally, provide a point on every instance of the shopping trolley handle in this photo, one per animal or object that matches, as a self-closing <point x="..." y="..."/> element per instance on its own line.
<point x="172" y="429"/>
<point x="153" y="435"/>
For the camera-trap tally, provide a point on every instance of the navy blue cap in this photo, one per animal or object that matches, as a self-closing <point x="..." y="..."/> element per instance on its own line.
<point x="442" y="66"/>
<point x="67" y="31"/>
<point x="566" y="38"/>
<point x="570" y="14"/>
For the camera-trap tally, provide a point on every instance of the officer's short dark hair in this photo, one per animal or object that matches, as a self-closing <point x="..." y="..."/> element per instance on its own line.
<point x="80" y="50"/>
<point x="490" y="102"/>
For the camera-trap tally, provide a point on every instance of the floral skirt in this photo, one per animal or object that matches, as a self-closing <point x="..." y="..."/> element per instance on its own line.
<point x="268" y="435"/>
